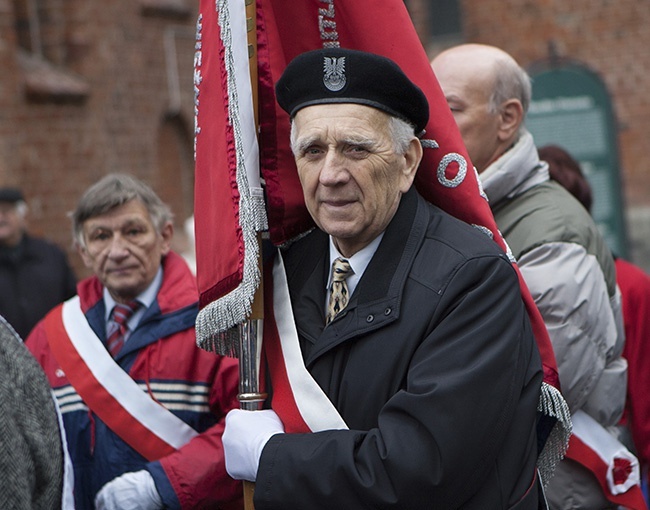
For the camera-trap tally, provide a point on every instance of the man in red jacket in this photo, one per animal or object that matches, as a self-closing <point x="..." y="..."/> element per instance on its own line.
<point x="143" y="406"/>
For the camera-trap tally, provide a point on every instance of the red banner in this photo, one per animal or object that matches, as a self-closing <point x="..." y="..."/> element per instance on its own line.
<point x="286" y="28"/>
<point x="229" y="202"/>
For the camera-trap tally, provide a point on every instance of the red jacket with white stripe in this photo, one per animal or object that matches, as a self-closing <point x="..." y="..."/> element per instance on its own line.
<point x="162" y="357"/>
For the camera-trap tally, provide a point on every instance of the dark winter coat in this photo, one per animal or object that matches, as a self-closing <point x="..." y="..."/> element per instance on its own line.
<point x="34" y="277"/>
<point x="433" y="366"/>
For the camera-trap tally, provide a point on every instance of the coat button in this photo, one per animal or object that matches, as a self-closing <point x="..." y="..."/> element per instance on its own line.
<point x="388" y="311"/>
<point x="370" y="318"/>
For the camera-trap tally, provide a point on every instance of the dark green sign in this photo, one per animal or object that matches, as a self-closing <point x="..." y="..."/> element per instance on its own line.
<point x="571" y="108"/>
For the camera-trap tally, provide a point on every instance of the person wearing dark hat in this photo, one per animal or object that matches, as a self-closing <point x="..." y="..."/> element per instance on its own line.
<point x="409" y="338"/>
<point x="34" y="273"/>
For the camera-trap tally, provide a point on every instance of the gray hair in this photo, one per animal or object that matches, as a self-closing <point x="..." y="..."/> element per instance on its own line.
<point x="511" y="81"/>
<point x="112" y="191"/>
<point x="401" y="132"/>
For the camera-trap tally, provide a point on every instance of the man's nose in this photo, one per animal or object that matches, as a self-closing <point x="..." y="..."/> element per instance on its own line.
<point x="119" y="247"/>
<point x="334" y="170"/>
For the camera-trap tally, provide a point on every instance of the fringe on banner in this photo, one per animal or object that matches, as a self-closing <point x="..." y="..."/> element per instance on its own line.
<point x="552" y="404"/>
<point x="216" y="323"/>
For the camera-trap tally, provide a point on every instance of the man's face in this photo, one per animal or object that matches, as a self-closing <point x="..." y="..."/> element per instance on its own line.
<point x="12" y="224"/>
<point x="351" y="176"/>
<point x="124" y="249"/>
<point x="467" y="87"/>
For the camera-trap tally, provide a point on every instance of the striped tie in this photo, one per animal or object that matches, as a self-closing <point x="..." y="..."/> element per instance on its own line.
<point x="121" y="314"/>
<point x="339" y="288"/>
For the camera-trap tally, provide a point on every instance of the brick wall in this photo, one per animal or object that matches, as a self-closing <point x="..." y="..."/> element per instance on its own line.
<point x="103" y="100"/>
<point x="121" y="63"/>
<point x="611" y="37"/>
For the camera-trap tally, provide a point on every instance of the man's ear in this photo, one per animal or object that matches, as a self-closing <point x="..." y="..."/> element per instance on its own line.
<point x="83" y="253"/>
<point x="412" y="158"/>
<point x="167" y="233"/>
<point x="511" y="115"/>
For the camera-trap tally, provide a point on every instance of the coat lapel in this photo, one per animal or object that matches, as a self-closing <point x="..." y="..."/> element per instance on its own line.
<point x="306" y="268"/>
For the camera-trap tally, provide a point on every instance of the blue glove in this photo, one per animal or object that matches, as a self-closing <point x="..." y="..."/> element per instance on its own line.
<point x="244" y="438"/>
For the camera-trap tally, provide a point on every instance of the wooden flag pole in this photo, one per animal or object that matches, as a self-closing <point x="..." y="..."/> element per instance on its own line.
<point x="257" y="307"/>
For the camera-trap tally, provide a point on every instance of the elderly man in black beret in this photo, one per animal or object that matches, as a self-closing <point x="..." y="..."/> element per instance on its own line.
<point x="409" y="321"/>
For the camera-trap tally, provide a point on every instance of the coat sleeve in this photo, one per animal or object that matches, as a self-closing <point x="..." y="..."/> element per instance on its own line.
<point x="583" y="322"/>
<point x="438" y="438"/>
<point x="195" y="475"/>
<point x="37" y="343"/>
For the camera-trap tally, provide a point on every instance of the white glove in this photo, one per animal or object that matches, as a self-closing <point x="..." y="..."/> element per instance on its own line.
<point x="244" y="438"/>
<point x="131" y="491"/>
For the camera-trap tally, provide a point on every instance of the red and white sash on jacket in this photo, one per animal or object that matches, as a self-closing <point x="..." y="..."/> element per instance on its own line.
<point x="616" y="469"/>
<point x="148" y="427"/>
<point x="298" y="400"/>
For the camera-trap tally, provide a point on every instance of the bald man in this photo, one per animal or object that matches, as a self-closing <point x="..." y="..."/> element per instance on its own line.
<point x="562" y="256"/>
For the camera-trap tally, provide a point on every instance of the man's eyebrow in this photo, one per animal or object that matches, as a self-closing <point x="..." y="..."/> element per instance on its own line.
<point x="303" y="143"/>
<point x="360" y="142"/>
<point x="127" y="223"/>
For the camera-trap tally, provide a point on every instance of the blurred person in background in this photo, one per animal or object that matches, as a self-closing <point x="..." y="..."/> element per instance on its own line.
<point x="566" y="171"/>
<point x="635" y="290"/>
<point x="34" y="273"/>
<point x="33" y="470"/>
<point x="564" y="260"/>
<point x="143" y="407"/>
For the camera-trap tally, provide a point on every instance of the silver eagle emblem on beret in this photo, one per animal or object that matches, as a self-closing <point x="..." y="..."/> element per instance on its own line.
<point x="334" y="73"/>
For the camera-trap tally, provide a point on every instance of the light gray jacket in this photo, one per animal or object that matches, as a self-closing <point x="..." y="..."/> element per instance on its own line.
<point x="571" y="275"/>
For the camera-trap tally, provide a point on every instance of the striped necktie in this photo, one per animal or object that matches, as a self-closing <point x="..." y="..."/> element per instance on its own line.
<point x="339" y="288"/>
<point x="121" y="314"/>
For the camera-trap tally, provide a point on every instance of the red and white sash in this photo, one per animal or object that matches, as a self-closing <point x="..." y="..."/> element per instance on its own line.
<point x="616" y="469"/>
<point x="297" y="398"/>
<point x="148" y="427"/>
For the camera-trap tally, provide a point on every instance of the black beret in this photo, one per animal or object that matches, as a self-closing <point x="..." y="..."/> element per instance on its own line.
<point x="11" y="195"/>
<point x="338" y="75"/>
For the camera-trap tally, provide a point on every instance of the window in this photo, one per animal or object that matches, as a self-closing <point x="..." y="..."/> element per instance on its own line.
<point x="439" y="23"/>
<point x="27" y="25"/>
<point x="444" y="19"/>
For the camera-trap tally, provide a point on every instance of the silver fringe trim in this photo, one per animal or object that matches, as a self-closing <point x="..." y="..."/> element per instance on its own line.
<point x="429" y="144"/>
<point x="552" y="403"/>
<point x="216" y="323"/>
